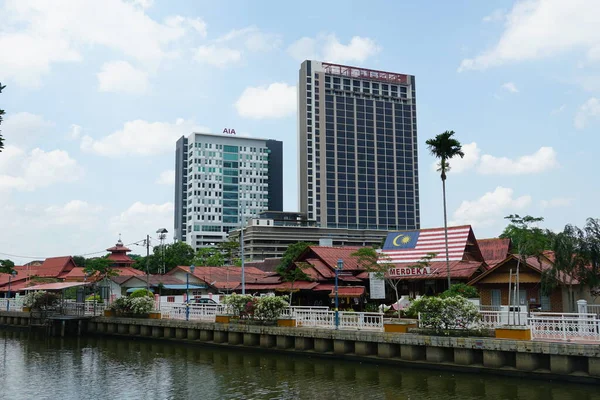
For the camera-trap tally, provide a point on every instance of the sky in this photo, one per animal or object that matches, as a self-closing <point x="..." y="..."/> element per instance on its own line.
<point x="98" y="92"/>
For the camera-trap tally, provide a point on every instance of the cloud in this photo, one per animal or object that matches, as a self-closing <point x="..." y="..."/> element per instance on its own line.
<point x="122" y="77"/>
<point x="166" y="178"/>
<point x="459" y="165"/>
<point x="24" y="128"/>
<point x="542" y="160"/>
<point x="489" y="208"/>
<point x="74" y="132"/>
<point x="220" y="57"/>
<point x="141" y="219"/>
<point x="37" y="169"/>
<point x="141" y="138"/>
<point x="589" y="109"/>
<point x="496" y="15"/>
<point x="557" y="202"/>
<point x="328" y="48"/>
<point x="75" y="212"/>
<point x="510" y="87"/>
<point x="539" y="29"/>
<point x="277" y="100"/>
<point x="253" y="39"/>
<point x="38" y="34"/>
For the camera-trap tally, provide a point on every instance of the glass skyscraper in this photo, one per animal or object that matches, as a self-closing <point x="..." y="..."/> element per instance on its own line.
<point x="358" y="147"/>
<point x="220" y="179"/>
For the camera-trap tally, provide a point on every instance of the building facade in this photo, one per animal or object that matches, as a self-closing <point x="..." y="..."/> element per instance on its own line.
<point x="222" y="179"/>
<point x="357" y="147"/>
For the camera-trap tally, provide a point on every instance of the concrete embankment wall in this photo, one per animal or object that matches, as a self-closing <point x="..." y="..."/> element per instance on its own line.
<point x="566" y="361"/>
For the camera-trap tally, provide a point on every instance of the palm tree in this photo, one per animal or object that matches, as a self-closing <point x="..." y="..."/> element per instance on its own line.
<point x="445" y="147"/>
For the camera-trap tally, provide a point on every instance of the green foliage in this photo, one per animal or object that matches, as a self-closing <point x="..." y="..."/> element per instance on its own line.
<point x="527" y="239"/>
<point x="173" y="255"/>
<point x="443" y="314"/>
<point x="444" y="147"/>
<point x="270" y="307"/>
<point x="237" y="303"/>
<point x="101" y="266"/>
<point x="209" y="257"/>
<point x="132" y="306"/>
<point x="1" y="114"/>
<point x="94" y="297"/>
<point x="461" y="289"/>
<point x="292" y="253"/>
<point x="7" y="266"/>
<point x="141" y="293"/>
<point x="40" y="300"/>
<point x="372" y="307"/>
<point x="227" y="249"/>
<point x="80" y="261"/>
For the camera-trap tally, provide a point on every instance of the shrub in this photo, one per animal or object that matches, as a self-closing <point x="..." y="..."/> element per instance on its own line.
<point x="95" y="297"/>
<point x="141" y="305"/>
<point x="40" y="300"/>
<point x="461" y="289"/>
<point x="141" y="293"/>
<point x="443" y="314"/>
<point x="121" y="306"/>
<point x="237" y="303"/>
<point x="270" y="307"/>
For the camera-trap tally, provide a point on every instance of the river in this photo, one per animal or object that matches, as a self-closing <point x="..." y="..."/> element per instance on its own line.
<point x="33" y="367"/>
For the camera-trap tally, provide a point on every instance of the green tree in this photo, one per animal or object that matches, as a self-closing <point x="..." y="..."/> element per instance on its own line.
<point x="172" y="255"/>
<point x="228" y="249"/>
<point x="7" y="266"/>
<point x="80" y="261"/>
<point x="1" y="114"/>
<point x="379" y="264"/>
<point x="101" y="266"/>
<point x="292" y="253"/>
<point x="569" y="258"/>
<point x="209" y="257"/>
<point x="288" y="270"/>
<point x="444" y="147"/>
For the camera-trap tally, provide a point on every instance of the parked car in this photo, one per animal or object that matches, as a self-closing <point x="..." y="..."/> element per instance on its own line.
<point x="203" y="300"/>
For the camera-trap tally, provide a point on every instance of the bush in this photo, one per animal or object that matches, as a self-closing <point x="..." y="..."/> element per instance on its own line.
<point x="461" y="289"/>
<point x="130" y="306"/>
<point x="95" y="297"/>
<point x="121" y="306"/>
<point x="238" y="303"/>
<point x="270" y="307"/>
<point x="141" y="293"/>
<point x="444" y="314"/>
<point x="40" y="300"/>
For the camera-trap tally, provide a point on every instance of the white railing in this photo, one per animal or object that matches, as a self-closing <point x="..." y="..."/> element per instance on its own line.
<point x="290" y="312"/>
<point x="494" y="319"/>
<point x="489" y="308"/>
<point x="322" y="318"/>
<point x="565" y="327"/>
<point x="594" y="309"/>
<point x="12" y="304"/>
<point x="202" y="312"/>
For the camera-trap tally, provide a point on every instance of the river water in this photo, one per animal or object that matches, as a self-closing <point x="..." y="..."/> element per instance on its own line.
<point x="33" y="367"/>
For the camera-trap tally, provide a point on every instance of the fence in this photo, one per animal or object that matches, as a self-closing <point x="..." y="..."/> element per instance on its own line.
<point x="565" y="327"/>
<point x="12" y="304"/>
<point x="494" y="319"/>
<point x="202" y="312"/>
<point x="347" y="320"/>
<point x="594" y="309"/>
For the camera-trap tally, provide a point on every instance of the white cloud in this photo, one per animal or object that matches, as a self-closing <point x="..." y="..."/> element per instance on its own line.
<point x="496" y="15"/>
<point x="74" y="132"/>
<point x="122" y="77"/>
<point x="36" y="169"/>
<point x="141" y="138"/>
<point x="328" y="48"/>
<point x="274" y="101"/>
<point x="38" y="34"/>
<point x="542" y="160"/>
<point x="75" y="212"/>
<point x="220" y="57"/>
<point x="459" y="165"/>
<point x="166" y="178"/>
<point x="510" y="87"/>
<point x="24" y="128"/>
<point x="557" y="202"/>
<point x="538" y="29"/>
<point x="589" y="109"/>
<point x="252" y="39"/>
<point x="489" y="208"/>
<point x="140" y="219"/>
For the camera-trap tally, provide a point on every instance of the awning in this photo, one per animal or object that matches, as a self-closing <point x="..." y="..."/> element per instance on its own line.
<point x="56" y="286"/>
<point x="133" y="289"/>
<point x="349" y="291"/>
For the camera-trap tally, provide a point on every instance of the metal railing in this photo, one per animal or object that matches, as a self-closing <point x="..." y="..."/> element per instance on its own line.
<point x="202" y="312"/>
<point x="565" y="327"/>
<point x="11" y="304"/>
<point x="494" y="319"/>
<point x="594" y="309"/>
<point x="290" y="312"/>
<point x="347" y="320"/>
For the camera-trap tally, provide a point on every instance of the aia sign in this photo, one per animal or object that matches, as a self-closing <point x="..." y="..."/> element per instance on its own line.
<point x="229" y="131"/>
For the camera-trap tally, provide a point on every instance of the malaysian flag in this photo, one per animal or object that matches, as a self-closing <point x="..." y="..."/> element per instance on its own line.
<point x="412" y="246"/>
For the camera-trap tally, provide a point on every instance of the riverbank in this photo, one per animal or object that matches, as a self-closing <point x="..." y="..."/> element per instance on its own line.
<point x="545" y="360"/>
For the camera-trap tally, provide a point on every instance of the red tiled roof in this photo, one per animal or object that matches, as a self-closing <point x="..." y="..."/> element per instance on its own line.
<point x="494" y="249"/>
<point x="75" y="274"/>
<point x="321" y="268"/>
<point x="312" y="273"/>
<point x="120" y="258"/>
<point x="458" y="270"/>
<point x="349" y="291"/>
<point x="267" y="265"/>
<point x="298" y="285"/>
<point x="224" y="277"/>
<point x="54" y="266"/>
<point x="128" y="271"/>
<point x="331" y="255"/>
<point x="15" y="286"/>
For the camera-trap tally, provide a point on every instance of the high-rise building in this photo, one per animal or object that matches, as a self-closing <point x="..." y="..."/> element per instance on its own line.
<point x="357" y="147"/>
<point x="222" y="179"/>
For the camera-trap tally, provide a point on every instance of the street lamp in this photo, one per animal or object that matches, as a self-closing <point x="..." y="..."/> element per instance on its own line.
<point x="187" y="291"/>
<point x="340" y="266"/>
<point x="12" y="275"/>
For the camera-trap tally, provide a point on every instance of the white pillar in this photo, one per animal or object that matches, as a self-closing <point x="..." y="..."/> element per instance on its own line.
<point x="582" y="307"/>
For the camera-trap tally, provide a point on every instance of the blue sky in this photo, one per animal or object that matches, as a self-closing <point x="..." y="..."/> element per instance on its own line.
<point x="98" y="92"/>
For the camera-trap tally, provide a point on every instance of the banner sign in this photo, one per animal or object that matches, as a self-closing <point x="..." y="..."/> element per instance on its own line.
<point x="408" y="271"/>
<point x="377" y="286"/>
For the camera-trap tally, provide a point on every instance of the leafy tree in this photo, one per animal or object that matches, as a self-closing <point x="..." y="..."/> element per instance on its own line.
<point x="379" y="264"/>
<point x="445" y="147"/>
<point x="292" y="253"/>
<point x="178" y="253"/>
<point x="1" y="114"/>
<point x="288" y="270"/>
<point x="7" y="266"/>
<point x="101" y="266"/>
<point x="228" y="249"/>
<point x="80" y="261"/>
<point x="590" y="247"/>
<point x="461" y="289"/>
<point x="209" y="257"/>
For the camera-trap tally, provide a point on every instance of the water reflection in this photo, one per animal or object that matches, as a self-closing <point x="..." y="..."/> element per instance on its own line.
<point x="91" y="368"/>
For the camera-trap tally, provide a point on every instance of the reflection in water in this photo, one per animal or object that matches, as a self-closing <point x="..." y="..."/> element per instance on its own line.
<point x="93" y="368"/>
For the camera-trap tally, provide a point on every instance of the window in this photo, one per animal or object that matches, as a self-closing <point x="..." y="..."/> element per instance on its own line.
<point x="496" y="297"/>
<point x="545" y="300"/>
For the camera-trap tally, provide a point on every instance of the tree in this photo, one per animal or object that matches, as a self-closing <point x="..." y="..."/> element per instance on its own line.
<point x="209" y="257"/>
<point x="444" y="147"/>
<point x="172" y="255"/>
<point x="1" y="114"/>
<point x="80" y="261"/>
<point x="591" y="251"/>
<point x="379" y="264"/>
<point x="102" y="266"/>
<point x="227" y="249"/>
<point x="292" y="253"/>
<point x="288" y="270"/>
<point x="7" y="266"/>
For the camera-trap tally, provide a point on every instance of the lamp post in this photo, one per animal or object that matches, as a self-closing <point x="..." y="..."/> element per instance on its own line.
<point x="340" y="266"/>
<point x="12" y="274"/>
<point x="187" y="291"/>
